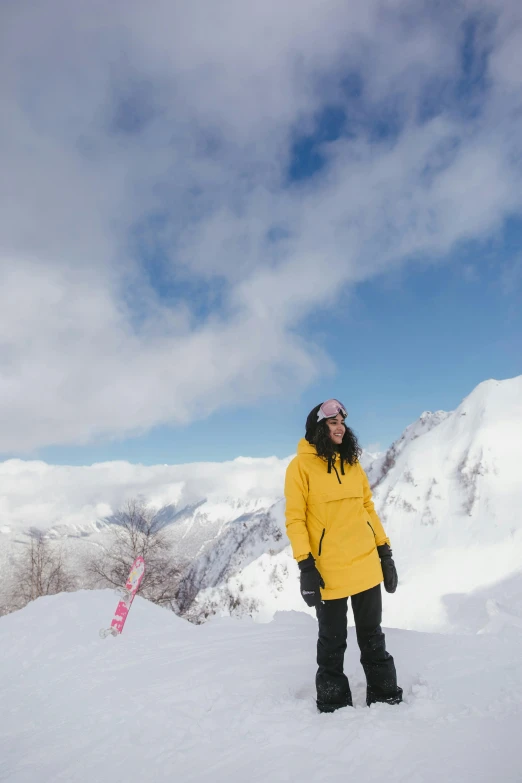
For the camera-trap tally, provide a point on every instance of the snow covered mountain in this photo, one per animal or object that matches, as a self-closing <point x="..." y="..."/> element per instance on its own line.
<point x="448" y="491"/>
<point x="75" y="505"/>
<point x="450" y="496"/>
<point x="232" y="700"/>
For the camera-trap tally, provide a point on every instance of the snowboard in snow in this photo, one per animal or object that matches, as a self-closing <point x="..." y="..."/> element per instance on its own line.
<point x="128" y="592"/>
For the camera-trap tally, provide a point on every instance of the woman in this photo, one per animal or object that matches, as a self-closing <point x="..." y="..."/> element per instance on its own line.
<point x="342" y="550"/>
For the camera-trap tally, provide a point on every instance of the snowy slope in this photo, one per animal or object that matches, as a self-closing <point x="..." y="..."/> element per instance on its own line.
<point x="233" y="700"/>
<point x="451" y="500"/>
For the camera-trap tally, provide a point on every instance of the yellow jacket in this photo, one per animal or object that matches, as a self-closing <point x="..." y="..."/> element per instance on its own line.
<point x="332" y="516"/>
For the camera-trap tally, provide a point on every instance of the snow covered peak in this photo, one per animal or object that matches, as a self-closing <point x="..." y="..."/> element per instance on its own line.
<point x="491" y="416"/>
<point x="450" y="496"/>
<point x="379" y="467"/>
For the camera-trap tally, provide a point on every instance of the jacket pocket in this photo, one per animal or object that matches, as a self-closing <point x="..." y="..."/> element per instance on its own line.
<point x="321" y="542"/>
<point x="371" y="528"/>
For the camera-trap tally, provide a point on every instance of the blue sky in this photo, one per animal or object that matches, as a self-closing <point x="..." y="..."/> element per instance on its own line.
<point x="202" y="239"/>
<point x="411" y="341"/>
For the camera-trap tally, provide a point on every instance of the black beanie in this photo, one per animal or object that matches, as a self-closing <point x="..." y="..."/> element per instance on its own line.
<point x="312" y="424"/>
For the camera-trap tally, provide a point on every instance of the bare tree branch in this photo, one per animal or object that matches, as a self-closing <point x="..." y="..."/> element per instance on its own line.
<point x="39" y="570"/>
<point x="138" y="531"/>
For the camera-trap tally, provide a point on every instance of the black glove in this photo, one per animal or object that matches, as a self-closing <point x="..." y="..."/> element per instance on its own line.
<point x="388" y="568"/>
<point x="311" y="581"/>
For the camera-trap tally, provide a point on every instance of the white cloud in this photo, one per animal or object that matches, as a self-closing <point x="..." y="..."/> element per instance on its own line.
<point x="168" y="127"/>
<point x="67" y="496"/>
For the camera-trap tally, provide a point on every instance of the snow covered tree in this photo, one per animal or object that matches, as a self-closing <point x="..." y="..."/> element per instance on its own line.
<point x="138" y="530"/>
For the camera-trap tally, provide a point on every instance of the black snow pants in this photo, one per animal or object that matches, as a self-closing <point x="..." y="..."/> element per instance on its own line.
<point x="333" y="689"/>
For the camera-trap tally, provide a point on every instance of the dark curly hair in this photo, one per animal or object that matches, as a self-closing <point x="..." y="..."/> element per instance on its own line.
<point x="318" y="435"/>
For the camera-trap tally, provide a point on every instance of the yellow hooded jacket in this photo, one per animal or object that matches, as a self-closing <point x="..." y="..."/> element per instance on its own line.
<point x="332" y="516"/>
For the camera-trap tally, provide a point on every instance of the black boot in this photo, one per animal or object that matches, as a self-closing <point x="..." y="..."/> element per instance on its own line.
<point x="394" y="698"/>
<point x="325" y="707"/>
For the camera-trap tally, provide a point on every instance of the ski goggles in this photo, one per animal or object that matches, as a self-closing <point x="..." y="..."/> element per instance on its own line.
<point x="331" y="408"/>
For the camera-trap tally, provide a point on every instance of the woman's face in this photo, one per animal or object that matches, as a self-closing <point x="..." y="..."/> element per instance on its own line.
<point x="336" y="428"/>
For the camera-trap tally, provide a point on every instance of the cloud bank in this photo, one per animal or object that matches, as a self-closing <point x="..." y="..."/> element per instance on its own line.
<point x="183" y="185"/>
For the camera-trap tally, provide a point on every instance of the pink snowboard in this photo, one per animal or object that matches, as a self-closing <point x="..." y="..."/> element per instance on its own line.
<point x="131" y="588"/>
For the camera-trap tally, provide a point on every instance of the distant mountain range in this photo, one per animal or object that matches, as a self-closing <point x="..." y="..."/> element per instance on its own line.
<point x="449" y="492"/>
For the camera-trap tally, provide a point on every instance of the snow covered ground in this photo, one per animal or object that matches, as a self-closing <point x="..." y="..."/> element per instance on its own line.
<point x="233" y="700"/>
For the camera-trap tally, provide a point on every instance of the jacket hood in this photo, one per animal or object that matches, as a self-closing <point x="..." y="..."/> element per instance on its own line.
<point x="303" y="447"/>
